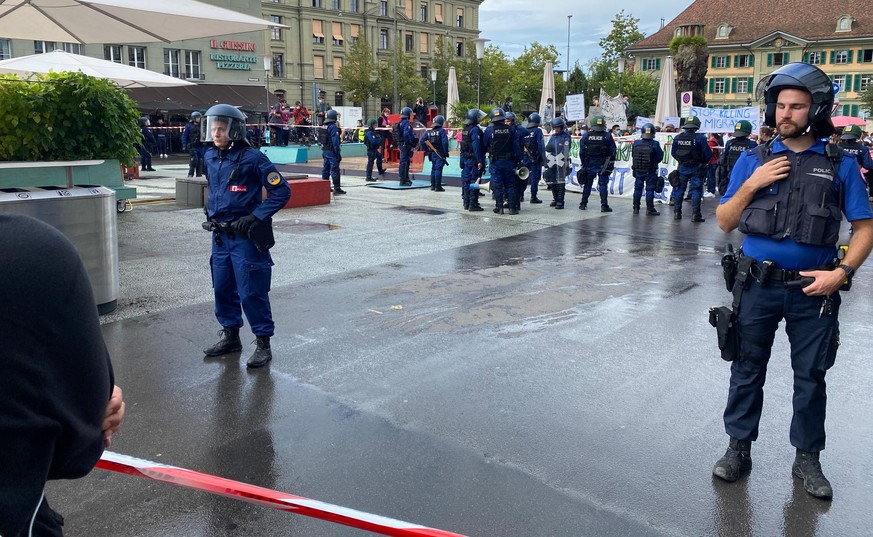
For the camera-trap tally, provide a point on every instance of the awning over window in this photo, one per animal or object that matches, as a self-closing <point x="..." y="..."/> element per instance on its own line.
<point x="199" y="97"/>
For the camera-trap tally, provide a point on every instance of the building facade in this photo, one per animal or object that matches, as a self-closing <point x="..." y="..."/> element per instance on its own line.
<point x="752" y="39"/>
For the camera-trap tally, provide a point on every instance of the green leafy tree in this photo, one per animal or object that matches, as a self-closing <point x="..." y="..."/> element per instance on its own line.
<point x="526" y="82"/>
<point x="867" y="98"/>
<point x="410" y="84"/>
<point x="359" y="73"/>
<point x="624" y="33"/>
<point x="577" y="82"/>
<point x="642" y="93"/>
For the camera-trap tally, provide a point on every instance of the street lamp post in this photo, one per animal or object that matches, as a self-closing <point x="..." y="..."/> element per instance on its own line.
<point x="433" y="77"/>
<point x="620" y="73"/>
<point x="480" y="53"/>
<point x="568" y="46"/>
<point x="268" y="64"/>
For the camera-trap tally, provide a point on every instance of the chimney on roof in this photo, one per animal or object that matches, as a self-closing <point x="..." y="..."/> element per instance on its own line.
<point x="662" y="24"/>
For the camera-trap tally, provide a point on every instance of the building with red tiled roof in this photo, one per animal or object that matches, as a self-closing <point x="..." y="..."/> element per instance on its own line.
<point x="749" y="39"/>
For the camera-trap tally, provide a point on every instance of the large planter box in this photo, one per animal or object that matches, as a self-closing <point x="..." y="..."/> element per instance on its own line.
<point x="101" y="172"/>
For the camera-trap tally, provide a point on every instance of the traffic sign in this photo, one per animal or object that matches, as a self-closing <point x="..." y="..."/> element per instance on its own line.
<point x="836" y="88"/>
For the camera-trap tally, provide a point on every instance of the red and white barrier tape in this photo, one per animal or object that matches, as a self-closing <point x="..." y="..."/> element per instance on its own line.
<point x="265" y="497"/>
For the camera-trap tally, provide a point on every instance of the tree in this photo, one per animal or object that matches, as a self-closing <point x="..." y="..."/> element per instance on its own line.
<point x="358" y="74"/>
<point x="410" y="84"/>
<point x="526" y="86"/>
<point x="642" y="93"/>
<point x="690" y="55"/>
<point x="867" y="98"/>
<point x="624" y="33"/>
<point x="577" y="82"/>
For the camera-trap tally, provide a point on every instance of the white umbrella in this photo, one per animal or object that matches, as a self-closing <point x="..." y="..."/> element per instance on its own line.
<point x="120" y="21"/>
<point x="548" y="88"/>
<point x="453" y="97"/>
<point x="57" y="61"/>
<point x="666" y="105"/>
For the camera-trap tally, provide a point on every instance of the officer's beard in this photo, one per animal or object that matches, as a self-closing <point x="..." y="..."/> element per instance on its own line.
<point x="789" y="129"/>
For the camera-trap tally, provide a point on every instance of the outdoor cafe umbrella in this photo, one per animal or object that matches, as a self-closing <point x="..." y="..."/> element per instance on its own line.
<point x="121" y="21"/>
<point x="57" y="61"/>
<point x="666" y="104"/>
<point x="548" y="86"/>
<point x="453" y="97"/>
<point x="842" y="121"/>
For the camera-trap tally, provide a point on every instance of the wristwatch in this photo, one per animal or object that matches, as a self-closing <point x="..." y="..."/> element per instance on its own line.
<point x="850" y="272"/>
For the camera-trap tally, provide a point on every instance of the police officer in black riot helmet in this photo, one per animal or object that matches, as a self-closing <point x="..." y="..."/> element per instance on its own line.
<point x="331" y="147"/>
<point x="849" y="144"/>
<point x="692" y="152"/>
<point x="597" y="154"/>
<point x="502" y="144"/>
<point x="733" y="148"/>
<point x="557" y="163"/>
<point x="788" y="199"/>
<point x="435" y="144"/>
<point x="404" y="137"/>
<point x="646" y="153"/>
<point x="472" y="159"/>
<point x="520" y="184"/>
<point x="533" y="148"/>
<point x="373" y="143"/>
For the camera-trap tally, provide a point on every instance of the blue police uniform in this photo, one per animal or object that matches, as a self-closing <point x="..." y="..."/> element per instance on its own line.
<point x="534" y="156"/>
<point x="440" y="141"/>
<point x="859" y="152"/>
<point x="645" y="173"/>
<point x="692" y="170"/>
<point x="147" y="139"/>
<point x="595" y="150"/>
<point x="331" y="155"/>
<point x="814" y="337"/>
<point x="503" y="146"/>
<point x="557" y="163"/>
<point x="240" y="273"/>
<point x="472" y="155"/>
<point x="373" y="143"/>
<point x="733" y="148"/>
<point x="520" y="184"/>
<point x="196" y="151"/>
<point x="407" y="145"/>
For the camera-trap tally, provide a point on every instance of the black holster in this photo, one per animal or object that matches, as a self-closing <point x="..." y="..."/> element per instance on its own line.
<point x="738" y="277"/>
<point x="261" y="234"/>
<point x="729" y="267"/>
<point x="724" y="320"/>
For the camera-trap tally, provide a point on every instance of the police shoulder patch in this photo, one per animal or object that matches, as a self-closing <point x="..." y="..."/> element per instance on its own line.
<point x="274" y="178"/>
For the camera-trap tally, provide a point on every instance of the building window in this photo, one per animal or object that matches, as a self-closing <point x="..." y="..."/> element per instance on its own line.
<point x="778" y="58"/>
<point x="318" y="32"/>
<point x="275" y="33"/>
<point x="335" y="5"/>
<point x="72" y="48"/>
<point x="172" y="61"/>
<point x="112" y="53"/>
<point x="742" y="85"/>
<point x="720" y="62"/>
<point x="814" y="58"/>
<point x="318" y="66"/>
<point x="438" y="13"/>
<point x="459" y="48"/>
<point x="425" y="73"/>
<point x="719" y="85"/>
<point x="278" y="66"/>
<point x="41" y="47"/>
<point x="383" y="8"/>
<point x="865" y="55"/>
<point x="842" y="56"/>
<point x="724" y="30"/>
<point x="422" y="13"/>
<point x="356" y="31"/>
<point x="423" y="45"/>
<point x="5" y="49"/>
<point x="136" y="56"/>
<point x="337" y="67"/>
<point x="337" y="34"/>
<point x="383" y="39"/>
<point x="316" y="3"/>
<point x="192" y="64"/>
<point x="844" y="24"/>
<point x="408" y="42"/>
<point x="651" y="64"/>
<point x="353" y="6"/>
<point x="459" y="18"/>
<point x="407" y="9"/>
<point x="840" y="80"/>
<point x="743" y="60"/>
<point x="864" y="82"/>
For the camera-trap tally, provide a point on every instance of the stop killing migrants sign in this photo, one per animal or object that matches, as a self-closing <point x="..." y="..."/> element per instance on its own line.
<point x="724" y="119"/>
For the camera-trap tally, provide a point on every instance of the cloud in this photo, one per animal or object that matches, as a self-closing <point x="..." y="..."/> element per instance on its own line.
<point x="513" y="24"/>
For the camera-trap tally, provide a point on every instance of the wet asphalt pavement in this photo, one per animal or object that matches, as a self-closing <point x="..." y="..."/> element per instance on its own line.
<point x="551" y="374"/>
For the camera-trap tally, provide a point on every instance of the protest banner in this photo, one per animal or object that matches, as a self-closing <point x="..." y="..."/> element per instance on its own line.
<point x="724" y="119"/>
<point x="575" y="107"/>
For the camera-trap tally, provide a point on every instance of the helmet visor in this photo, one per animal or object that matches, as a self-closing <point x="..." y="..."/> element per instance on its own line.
<point x="222" y="130"/>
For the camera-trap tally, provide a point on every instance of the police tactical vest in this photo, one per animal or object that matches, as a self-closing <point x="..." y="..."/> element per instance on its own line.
<point x="533" y="147"/>
<point x="501" y="143"/>
<point x="805" y="206"/>
<point x="397" y="134"/>
<point x="595" y="145"/>
<point x="856" y="151"/>
<point x="687" y="152"/>
<point x="433" y="136"/>
<point x="643" y="156"/>
<point x="467" y="141"/>
<point x="737" y="147"/>
<point x="324" y="138"/>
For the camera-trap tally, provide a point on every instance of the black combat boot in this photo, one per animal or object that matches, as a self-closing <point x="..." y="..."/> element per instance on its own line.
<point x="439" y="186"/>
<point x="583" y="206"/>
<point x="262" y="353"/>
<point x="605" y="208"/>
<point x="228" y="343"/>
<point x="651" y="211"/>
<point x="636" y="209"/>
<point x="807" y="467"/>
<point x="513" y="210"/>
<point x="697" y="217"/>
<point x="562" y="190"/>
<point x="677" y="213"/>
<point x="474" y="205"/>
<point x="466" y="204"/>
<point x="534" y="199"/>
<point x="737" y="459"/>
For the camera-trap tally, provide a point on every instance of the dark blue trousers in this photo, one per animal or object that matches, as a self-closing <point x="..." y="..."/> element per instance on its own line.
<point x="647" y="183"/>
<point x="593" y="171"/>
<point x="502" y="181"/>
<point x="241" y="282"/>
<point x="814" y="341"/>
<point x="374" y="156"/>
<point x="331" y="167"/>
<point x="691" y="179"/>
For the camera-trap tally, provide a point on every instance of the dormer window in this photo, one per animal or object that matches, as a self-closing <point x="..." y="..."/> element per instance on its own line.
<point x="723" y="31"/>
<point x="678" y="32"/>
<point x="844" y="23"/>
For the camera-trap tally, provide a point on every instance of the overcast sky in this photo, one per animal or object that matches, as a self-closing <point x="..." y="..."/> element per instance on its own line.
<point x="512" y="24"/>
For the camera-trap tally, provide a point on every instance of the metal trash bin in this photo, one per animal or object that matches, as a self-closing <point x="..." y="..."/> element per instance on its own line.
<point x="86" y="215"/>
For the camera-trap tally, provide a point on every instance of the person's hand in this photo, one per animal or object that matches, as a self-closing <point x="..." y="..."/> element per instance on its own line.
<point x="826" y="282"/>
<point x="244" y="224"/>
<point x="770" y="172"/>
<point x="113" y="417"/>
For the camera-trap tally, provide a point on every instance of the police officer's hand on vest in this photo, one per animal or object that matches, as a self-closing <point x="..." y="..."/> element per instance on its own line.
<point x="244" y="224"/>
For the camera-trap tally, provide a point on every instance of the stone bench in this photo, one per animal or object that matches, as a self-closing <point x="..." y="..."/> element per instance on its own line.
<point x="306" y="192"/>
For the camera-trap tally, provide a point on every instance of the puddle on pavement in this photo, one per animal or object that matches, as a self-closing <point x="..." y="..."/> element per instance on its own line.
<point x="419" y="210"/>
<point x="302" y="227"/>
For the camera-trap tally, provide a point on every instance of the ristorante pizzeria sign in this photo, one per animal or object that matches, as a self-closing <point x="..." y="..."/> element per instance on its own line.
<point x="233" y="60"/>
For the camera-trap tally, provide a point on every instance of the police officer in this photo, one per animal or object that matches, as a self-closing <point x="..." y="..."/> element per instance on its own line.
<point x="646" y="153"/>
<point x="331" y="147"/>
<point x="502" y="145"/>
<point x="733" y="148"/>
<point x="534" y="154"/>
<point x="787" y="199"/>
<point x="148" y="140"/>
<point x="241" y="223"/>
<point x="557" y="162"/>
<point x="437" y="138"/>
<point x="191" y="144"/>
<point x="849" y="144"/>
<point x="373" y="143"/>
<point x="405" y="139"/>
<point x="597" y="153"/>
<point x="692" y="152"/>
<point x="520" y="184"/>
<point x="472" y="158"/>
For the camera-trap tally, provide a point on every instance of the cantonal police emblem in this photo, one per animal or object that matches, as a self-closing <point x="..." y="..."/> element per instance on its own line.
<point x="274" y="178"/>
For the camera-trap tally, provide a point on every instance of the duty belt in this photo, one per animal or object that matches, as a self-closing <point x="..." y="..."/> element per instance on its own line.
<point x="783" y="275"/>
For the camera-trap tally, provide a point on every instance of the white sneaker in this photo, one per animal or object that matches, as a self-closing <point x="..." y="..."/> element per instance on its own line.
<point x="708" y="195"/>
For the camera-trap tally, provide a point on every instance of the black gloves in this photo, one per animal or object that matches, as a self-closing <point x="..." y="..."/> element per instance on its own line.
<point x="244" y="224"/>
